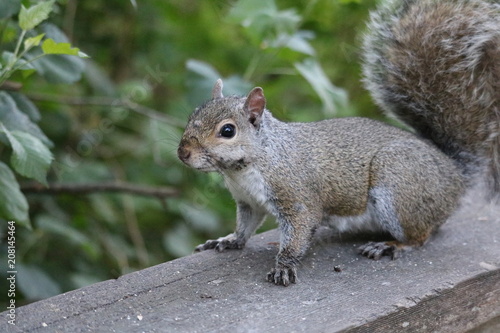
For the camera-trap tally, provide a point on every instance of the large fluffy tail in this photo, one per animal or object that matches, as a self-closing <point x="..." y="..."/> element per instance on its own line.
<point x="435" y="65"/>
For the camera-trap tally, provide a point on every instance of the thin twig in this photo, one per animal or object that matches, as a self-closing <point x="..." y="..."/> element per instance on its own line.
<point x="11" y="86"/>
<point x="90" y="188"/>
<point x="132" y="223"/>
<point x="110" y="102"/>
<point x="69" y="18"/>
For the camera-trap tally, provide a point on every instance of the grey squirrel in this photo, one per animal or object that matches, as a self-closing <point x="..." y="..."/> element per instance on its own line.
<point x="434" y="65"/>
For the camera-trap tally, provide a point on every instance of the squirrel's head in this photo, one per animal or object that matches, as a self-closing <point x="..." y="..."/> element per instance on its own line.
<point x="220" y="134"/>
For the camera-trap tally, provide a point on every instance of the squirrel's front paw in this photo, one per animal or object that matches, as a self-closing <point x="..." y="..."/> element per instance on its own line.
<point x="220" y="244"/>
<point x="282" y="276"/>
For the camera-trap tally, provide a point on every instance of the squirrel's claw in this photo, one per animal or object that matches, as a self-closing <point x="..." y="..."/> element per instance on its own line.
<point x="208" y="245"/>
<point x="282" y="276"/>
<point x="220" y="244"/>
<point x="376" y="250"/>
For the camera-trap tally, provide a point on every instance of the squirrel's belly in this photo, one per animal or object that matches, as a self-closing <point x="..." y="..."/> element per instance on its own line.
<point x="362" y="222"/>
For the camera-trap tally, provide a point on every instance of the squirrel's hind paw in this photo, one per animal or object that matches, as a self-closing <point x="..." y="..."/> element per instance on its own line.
<point x="376" y="250"/>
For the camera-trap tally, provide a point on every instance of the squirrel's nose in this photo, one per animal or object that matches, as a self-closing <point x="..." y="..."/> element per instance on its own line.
<point x="183" y="154"/>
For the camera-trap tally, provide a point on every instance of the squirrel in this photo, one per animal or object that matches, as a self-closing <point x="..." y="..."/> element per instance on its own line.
<point x="432" y="64"/>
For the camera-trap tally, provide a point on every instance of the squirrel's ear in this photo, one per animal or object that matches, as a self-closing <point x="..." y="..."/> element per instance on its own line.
<point x="255" y="105"/>
<point x="217" y="90"/>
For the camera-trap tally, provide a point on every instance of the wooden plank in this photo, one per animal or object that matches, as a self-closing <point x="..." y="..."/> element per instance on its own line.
<point x="452" y="284"/>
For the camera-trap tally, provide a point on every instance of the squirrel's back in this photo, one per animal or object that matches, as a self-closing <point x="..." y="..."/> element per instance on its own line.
<point x="435" y="65"/>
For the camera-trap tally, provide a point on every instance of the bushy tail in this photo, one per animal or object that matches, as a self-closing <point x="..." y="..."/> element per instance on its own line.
<point x="435" y="65"/>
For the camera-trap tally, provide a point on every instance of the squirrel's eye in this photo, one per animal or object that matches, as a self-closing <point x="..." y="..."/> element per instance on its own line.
<point x="227" y="131"/>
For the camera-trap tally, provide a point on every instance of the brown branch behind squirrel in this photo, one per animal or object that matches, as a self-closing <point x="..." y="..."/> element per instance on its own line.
<point x="432" y="64"/>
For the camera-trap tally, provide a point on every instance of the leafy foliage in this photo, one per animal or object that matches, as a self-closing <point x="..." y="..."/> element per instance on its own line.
<point x="11" y="198"/>
<point x="31" y="157"/>
<point x="118" y="116"/>
<point x="30" y="17"/>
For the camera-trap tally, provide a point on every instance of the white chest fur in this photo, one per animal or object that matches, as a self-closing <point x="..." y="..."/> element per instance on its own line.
<point x="248" y="185"/>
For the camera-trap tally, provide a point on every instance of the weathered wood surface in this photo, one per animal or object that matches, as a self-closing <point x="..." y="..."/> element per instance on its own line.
<point x="452" y="284"/>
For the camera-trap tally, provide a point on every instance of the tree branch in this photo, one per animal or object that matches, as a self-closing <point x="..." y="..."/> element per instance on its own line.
<point x="116" y="187"/>
<point x="109" y="102"/>
<point x="11" y="86"/>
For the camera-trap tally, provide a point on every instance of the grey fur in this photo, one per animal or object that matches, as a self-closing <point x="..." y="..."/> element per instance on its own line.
<point x="329" y="172"/>
<point x="435" y="65"/>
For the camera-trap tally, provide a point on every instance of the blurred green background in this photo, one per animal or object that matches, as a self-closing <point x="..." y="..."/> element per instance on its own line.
<point x="118" y="115"/>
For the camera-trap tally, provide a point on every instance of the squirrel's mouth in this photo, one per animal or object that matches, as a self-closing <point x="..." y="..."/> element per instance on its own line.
<point x="200" y="167"/>
<point x="204" y="168"/>
<point x="194" y="160"/>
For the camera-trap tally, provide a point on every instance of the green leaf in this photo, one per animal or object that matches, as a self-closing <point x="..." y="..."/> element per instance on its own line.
<point x="79" y="280"/>
<point x="35" y="284"/>
<point x="15" y="120"/>
<point x="9" y="8"/>
<point x="202" y="69"/>
<point x="332" y="97"/>
<point x="61" y="228"/>
<point x="244" y="11"/>
<point x="25" y="105"/>
<point x="83" y="55"/>
<point x="56" y="68"/>
<point x="34" y="15"/>
<point x="99" y="80"/>
<point x="49" y="46"/>
<point x="30" y="158"/>
<point x="28" y="72"/>
<point x="298" y="42"/>
<point x="13" y="204"/>
<point x="201" y="79"/>
<point x="346" y="2"/>
<point x="33" y="41"/>
<point x="179" y="241"/>
<point x="200" y="218"/>
<point x="10" y="60"/>
<point x="268" y="26"/>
